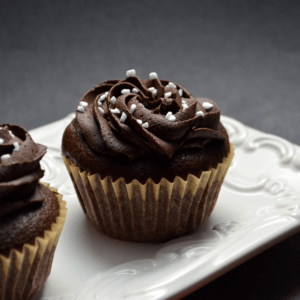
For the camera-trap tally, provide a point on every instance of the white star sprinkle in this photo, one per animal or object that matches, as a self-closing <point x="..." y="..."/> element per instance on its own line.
<point x="123" y="117"/>
<point x="207" y="105"/>
<point x="11" y="134"/>
<point x="139" y="121"/>
<point x="1" y="141"/>
<point x="101" y="110"/>
<point x="83" y="103"/>
<point x="145" y="125"/>
<point x="169" y="116"/>
<point x="113" y="100"/>
<point x="172" y="85"/>
<point x="103" y="97"/>
<point x="125" y="91"/>
<point x="134" y="90"/>
<point x="167" y="95"/>
<point x="172" y="118"/>
<point x="153" y="75"/>
<point x="80" y="109"/>
<point x="133" y="108"/>
<point x="185" y="106"/>
<point x="180" y="92"/>
<point x="5" y="156"/>
<point x="200" y="113"/>
<point x="115" y="111"/>
<point x="153" y="91"/>
<point x="17" y="146"/>
<point x="130" y="73"/>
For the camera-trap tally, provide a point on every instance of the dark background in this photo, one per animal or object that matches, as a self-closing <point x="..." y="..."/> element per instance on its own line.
<point x="245" y="55"/>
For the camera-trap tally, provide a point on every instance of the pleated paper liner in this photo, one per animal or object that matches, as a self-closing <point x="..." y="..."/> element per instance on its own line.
<point x="148" y="212"/>
<point x="23" y="274"/>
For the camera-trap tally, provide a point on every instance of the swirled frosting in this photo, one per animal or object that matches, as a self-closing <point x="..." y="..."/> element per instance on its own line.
<point x="140" y="129"/>
<point x="138" y="117"/>
<point x="20" y="169"/>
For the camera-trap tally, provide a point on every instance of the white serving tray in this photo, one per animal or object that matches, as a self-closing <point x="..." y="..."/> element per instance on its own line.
<point x="258" y="207"/>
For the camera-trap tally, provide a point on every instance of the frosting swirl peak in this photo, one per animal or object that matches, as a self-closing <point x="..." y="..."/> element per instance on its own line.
<point x="20" y="169"/>
<point x="138" y="117"/>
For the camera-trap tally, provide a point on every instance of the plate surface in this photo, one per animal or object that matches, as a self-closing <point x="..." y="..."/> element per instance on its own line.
<point x="259" y="206"/>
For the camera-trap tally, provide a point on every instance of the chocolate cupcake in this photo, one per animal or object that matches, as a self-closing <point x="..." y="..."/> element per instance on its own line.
<point x="31" y="216"/>
<point x="147" y="158"/>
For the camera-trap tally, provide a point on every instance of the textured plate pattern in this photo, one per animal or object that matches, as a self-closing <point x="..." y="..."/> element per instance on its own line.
<point x="259" y="205"/>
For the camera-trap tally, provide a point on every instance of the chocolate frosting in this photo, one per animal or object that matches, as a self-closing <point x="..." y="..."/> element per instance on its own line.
<point x="145" y="129"/>
<point x="148" y="127"/>
<point x="20" y="169"/>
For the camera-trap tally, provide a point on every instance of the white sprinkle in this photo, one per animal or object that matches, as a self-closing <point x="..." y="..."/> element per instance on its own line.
<point x="99" y="103"/>
<point x="142" y="105"/>
<point x="123" y="117"/>
<point x="115" y="111"/>
<point x="5" y="156"/>
<point x="101" y="110"/>
<point x="167" y="95"/>
<point x="133" y="108"/>
<point x="17" y="146"/>
<point x="12" y="135"/>
<point x="145" y="125"/>
<point x="134" y="90"/>
<point x="1" y="141"/>
<point x="103" y="97"/>
<point x="130" y="73"/>
<point x="168" y="114"/>
<point x="172" y="85"/>
<point x="80" y="109"/>
<point x="207" y="105"/>
<point x="185" y="106"/>
<point x="151" y="89"/>
<point x="113" y="99"/>
<point x="83" y="103"/>
<point x="153" y="75"/>
<point x="106" y="93"/>
<point x="200" y="113"/>
<point x="125" y="91"/>
<point x="180" y="92"/>
<point x="1" y="128"/>
<point x="139" y="121"/>
<point x="172" y="118"/>
<point x="183" y="101"/>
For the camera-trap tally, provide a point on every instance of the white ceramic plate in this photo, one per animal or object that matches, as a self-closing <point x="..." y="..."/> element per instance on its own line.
<point x="258" y="206"/>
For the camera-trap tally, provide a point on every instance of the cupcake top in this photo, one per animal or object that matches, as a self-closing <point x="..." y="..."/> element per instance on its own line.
<point x="133" y="121"/>
<point x="139" y="117"/>
<point x="20" y="169"/>
<point x="21" y="196"/>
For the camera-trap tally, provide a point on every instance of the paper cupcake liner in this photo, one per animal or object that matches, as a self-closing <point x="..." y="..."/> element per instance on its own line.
<point x="148" y="212"/>
<point x="23" y="274"/>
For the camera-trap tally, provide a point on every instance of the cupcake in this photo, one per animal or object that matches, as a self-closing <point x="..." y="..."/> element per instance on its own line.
<point x="32" y="215"/>
<point x="147" y="158"/>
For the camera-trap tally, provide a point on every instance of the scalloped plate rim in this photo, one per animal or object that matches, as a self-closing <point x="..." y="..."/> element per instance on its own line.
<point x="246" y="133"/>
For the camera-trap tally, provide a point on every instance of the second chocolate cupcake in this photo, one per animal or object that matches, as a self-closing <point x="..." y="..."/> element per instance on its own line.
<point x="32" y="216"/>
